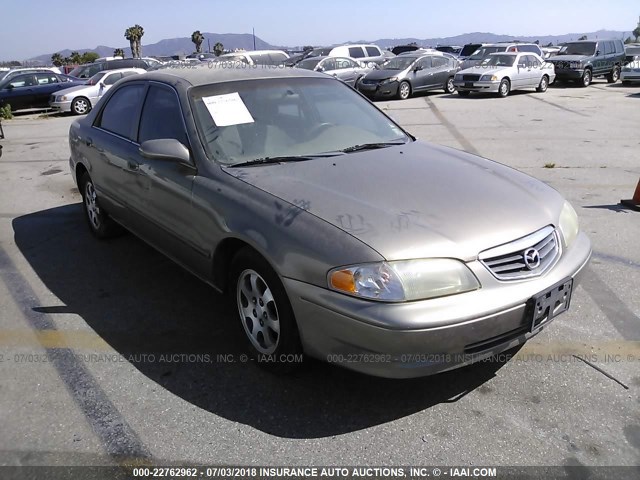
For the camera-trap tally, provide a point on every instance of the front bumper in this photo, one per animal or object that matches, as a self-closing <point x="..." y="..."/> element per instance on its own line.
<point x="569" y="73"/>
<point x="379" y="90"/>
<point x="422" y="338"/>
<point x="61" y="106"/>
<point x="477" y="86"/>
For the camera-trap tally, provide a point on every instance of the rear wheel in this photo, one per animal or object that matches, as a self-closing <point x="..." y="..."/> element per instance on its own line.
<point x="449" y="87"/>
<point x="265" y="312"/>
<point x="80" y="106"/>
<point x="504" y="88"/>
<point x="544" y="84"/>
<point x="586" y="78"/>
<point x="100" y="224"/>
<point x="404" y="90"/>
<point x="614" y="76"/>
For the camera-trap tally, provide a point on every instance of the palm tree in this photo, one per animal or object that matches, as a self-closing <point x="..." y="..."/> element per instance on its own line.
<point x="75" y="58"/>
<point x="57" y="59"/>
<point x="636" y="32"/>
<point x="218" y="49"/>
<point x="118" y="52"/>
<point x="134" y="35"/>
<point x="583" y="37"/>
<point x="197" y="38"/>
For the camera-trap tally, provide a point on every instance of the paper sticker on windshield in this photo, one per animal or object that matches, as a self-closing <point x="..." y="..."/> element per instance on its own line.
<point x="227" y="109"/>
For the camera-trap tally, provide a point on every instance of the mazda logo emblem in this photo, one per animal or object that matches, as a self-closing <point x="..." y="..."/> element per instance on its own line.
<point x="532" y="258"/>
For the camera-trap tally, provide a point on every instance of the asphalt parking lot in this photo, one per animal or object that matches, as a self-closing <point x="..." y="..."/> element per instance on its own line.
<point x="103" y="344"/>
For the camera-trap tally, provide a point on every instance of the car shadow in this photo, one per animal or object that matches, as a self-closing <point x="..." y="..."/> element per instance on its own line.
<point x="180" y="333"/>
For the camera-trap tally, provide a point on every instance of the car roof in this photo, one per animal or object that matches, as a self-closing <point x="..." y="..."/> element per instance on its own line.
<point x="127" y="69"/>
<point x="252" y="52"/>
<point x="205" y="74"/>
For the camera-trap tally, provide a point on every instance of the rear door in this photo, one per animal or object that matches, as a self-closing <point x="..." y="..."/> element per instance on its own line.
<point x="441" y="68"/>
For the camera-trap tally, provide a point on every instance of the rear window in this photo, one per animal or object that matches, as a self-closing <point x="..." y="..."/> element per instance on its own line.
<point x="356" y="52"/>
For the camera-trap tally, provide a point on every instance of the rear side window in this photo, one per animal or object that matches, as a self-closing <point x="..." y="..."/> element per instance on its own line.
<point x="162" y="117"/>
<point x="46" y="78"/>
<point x="356" y="52"/>
<point x="608" y="48"/>
<point x="373" y="51"/>
<point x="120" y="112"/>
<point x="438" y="62"/>
<point x="529" y="48"/>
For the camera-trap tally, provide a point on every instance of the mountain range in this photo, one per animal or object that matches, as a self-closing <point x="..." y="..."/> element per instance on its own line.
<point x="231" y="41"/>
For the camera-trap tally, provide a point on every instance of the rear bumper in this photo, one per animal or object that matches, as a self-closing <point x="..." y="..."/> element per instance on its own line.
<point x="427" y="337"/>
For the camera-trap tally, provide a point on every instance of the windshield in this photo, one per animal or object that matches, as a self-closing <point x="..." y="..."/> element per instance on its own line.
<point x="400" y="62"/>
<point x="319" y="52"/>
<point x="588" y="48"/>
<point x="96" y="78"/>
<point x="499" y="61"/>
<point x="265" y="118"/>
<point x="484" y="51"/>
<point x="308" y="64"/>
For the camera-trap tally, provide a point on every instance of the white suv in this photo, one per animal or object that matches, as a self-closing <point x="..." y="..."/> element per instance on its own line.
<point x="361" y="53"/>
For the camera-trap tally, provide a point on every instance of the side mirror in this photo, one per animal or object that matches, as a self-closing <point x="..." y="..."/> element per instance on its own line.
<point x="597" y="53"/>
<point x="417" y="68"/>
<point x="166" y="149"/>
<point x="9" y="87"/>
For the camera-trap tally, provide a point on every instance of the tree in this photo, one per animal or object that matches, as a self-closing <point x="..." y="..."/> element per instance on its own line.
<point x="583" y="37"/>
<point x="636" y="32"/>
<point x="89" y="57"/>
<point x="306" y="48"/>
<point x="197" y="38"/>
<point x="57" y="60"/>
<point x="75" y="58"/>
<point x="134" y="35"/>
<point x="218" y="49"/>
<point x="118" y="52"/>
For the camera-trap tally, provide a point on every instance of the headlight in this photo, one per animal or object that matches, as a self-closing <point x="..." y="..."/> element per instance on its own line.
<point x="489" y="78"/>
<point x="61" y="98"/>
<point x="569" y="225"/>
<point x="389" y="80"/>
<point x="405" y="280"/>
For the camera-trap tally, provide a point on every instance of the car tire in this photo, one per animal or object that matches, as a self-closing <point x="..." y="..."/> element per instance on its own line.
<point x="544" y="84"/>
<point x="404" y="90"/>
<point x="100" y="224"/>
<point x="80" y="106"/>
<point x="614" y="76"/>
<point x="264" y="312"/>
<point x="504" y="88"/>
<point x="449" y="87"/>
<point x="463" y="93"/>
<point x="586" y="78"/>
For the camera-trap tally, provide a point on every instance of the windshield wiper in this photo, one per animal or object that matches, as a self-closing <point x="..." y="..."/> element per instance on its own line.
<point x="283" y="159"/>
<point x="370" y="146"/>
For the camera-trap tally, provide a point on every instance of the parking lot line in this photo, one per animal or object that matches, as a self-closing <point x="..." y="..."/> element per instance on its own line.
<point x="566" y="109"/>
<point x="462" y="140"/>
<point x="119" y="440"/>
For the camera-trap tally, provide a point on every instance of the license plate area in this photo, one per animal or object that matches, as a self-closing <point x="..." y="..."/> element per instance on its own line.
<point x="549" y="304"/>
<point x="468" y="84"/>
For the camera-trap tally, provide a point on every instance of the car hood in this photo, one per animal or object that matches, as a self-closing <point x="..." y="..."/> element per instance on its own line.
<point x="483" y="70"/>
<point x="384" y="74"/>
<point x="568" y="58"/>
<point x="79" y="90"/>
<point x="414" y="201"/>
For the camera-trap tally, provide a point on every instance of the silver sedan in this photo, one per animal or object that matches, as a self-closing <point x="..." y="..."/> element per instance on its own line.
<point x="506" y="71"/>
<point x="346" y="69"/>
<point x="333" y="231"/>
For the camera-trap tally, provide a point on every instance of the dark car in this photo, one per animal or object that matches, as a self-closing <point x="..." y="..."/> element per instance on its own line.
<point x="404" y="49"/>
<point x="405" y="74"/>
<point x="583" y="60"/>
<point x="32" y="90"/>
<point x="90" y="69"/>
<point x="453" y="50"/>
<point x="316" y="52"/>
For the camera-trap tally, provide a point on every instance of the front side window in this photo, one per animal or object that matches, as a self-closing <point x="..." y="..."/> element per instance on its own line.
<point x="356" y="52"/>
<point x="22" y="81"/>
<point x="161" y="117"/>
<point x="120" y="113"/>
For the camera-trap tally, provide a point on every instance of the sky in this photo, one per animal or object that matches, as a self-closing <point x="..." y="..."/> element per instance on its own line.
<point x="42" y="26"/>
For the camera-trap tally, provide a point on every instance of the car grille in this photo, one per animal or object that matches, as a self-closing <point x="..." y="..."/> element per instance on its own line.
<point x="562" y="65"/>
<point x="470" y="78"/>
<point x="530" y="256"/>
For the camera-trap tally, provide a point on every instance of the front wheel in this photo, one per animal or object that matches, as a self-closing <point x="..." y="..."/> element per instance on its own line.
<point x="504" y="88"/>
<point x="80" y="106"/>
<point x="544" y="84"/>
<point x="586" y="78"/>
<point x="100" y="224"/>
<point x="614" y="76"/>
<point x="404" y="90"/>
<point x="449" y="87"/>
<point x="265" y="312"/>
